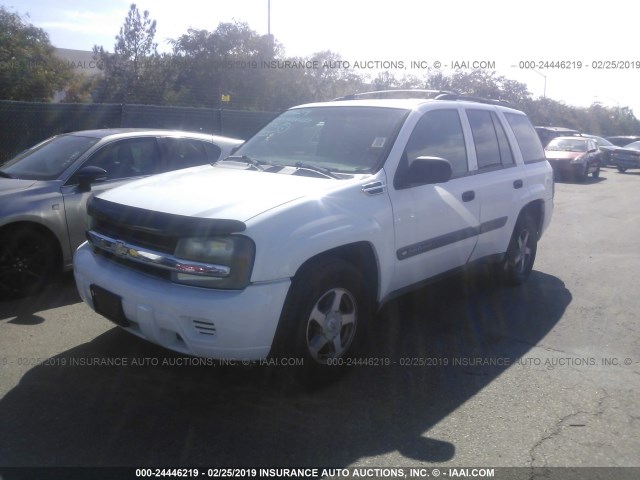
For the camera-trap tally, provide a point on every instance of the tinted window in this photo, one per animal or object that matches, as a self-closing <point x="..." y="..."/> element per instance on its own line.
<point x="127" y="158"/>
<point x="527" y="137"/>
<point x="47" y="160"/>
<point x="184" y="153"/>
<point x="484" y="138"/>
<point x="213" y="151"/>
<point x="439" y="134"/>
<point x="506" y="155"/>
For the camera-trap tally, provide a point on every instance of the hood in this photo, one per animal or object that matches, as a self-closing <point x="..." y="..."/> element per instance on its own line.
<point x="218" y="192"/>
<point x="9" y="185"/>
<point x="562" y="155"/>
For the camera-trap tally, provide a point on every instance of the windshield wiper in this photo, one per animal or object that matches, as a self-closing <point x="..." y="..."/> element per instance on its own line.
<point x="248" y="160"/>
<point x="321" y="170"/>
<point x="5" y="174"/>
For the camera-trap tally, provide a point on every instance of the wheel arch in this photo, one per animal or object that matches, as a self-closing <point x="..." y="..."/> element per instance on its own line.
<point x="361" y="255"/>
<point x="536" y="209"/>
<point x="41" y="230"/>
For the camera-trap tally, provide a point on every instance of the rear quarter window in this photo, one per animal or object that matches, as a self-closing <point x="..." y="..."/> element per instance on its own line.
<point x="527" y="138"/>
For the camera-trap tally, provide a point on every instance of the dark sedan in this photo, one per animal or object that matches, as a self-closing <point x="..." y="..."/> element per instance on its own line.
<point x="627" y="157"/>
<point x="574" y="156"/>
<point x="606" y="147"/>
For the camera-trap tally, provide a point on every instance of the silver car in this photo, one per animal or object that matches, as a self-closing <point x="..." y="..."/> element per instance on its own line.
<point x="44" y="191"/>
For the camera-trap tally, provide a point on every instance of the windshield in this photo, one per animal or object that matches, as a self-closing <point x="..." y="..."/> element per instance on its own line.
<point x="603" y="142"/>
<point x="340" y="139"/>
<point x="633" y="146"/>
<point x="567" y="145"/>
<point x="47" y="160"/>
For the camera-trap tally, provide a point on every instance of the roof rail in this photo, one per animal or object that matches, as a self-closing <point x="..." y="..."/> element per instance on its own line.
<point x="378" y="93"/>
<point x="434" y="94"/>
<point x="470" y="98"/>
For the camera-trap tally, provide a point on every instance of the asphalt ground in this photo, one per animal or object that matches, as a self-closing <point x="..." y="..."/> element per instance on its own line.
<point x="463" y="373"/>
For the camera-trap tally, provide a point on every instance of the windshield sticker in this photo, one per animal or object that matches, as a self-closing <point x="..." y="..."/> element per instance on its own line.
<point x="378" y="142"/>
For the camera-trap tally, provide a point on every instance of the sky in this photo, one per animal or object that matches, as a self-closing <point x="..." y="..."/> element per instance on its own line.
<point x="564" y="50"/>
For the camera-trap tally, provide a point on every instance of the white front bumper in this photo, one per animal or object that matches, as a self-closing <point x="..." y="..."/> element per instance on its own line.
<point x="222" y="324"/>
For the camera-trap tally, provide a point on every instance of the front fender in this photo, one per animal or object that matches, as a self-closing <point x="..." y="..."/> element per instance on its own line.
<point x="289" y="236"/>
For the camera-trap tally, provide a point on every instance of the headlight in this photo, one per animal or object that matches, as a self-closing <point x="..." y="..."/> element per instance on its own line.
<point x="222" y="262"/>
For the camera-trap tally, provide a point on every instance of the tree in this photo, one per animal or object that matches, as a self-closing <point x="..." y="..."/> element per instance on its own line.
<point x="29" y="69"/>
<point x="226" y="61"/>
<point x="481" y="83"/>
<point x="134" y="72"/>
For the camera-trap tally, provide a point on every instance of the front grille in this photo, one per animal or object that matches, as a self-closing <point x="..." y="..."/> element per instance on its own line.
<point x="157" y="232"/>
<point x="134" y="236"/>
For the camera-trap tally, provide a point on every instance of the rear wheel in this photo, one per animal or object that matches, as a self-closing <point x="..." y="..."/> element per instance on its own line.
<point x="621" y="169"/>
<point x="27" y="262"/>
<point x="521" y="252"/>
<point x="324" y="322"/>
<point x="596" y="173"/>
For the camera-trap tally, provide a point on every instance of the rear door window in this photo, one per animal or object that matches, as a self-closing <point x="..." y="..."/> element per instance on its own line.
<point x="492" y="147"/>
<point x="185" y="153"/>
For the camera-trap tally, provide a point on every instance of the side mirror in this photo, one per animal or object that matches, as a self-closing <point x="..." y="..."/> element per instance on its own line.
<point x="88" y="175"/>
<point x="427" y="171"/>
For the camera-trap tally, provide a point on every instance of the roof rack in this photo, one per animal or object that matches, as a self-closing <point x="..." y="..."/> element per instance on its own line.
<point x="470" y="98"/>
<point x="379" y="93"/>
<point x="435" y="95"/>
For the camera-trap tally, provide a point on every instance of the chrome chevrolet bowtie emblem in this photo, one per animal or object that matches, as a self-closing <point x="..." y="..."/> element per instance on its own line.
<point x="120" y="249"/>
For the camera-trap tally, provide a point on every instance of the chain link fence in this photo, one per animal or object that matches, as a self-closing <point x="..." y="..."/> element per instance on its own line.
<point x="23" y="124"/>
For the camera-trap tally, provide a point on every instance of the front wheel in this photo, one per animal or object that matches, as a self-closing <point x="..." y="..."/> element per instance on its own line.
<point x="621" y="169"/>
<point x="584" y="174"/>
<point x="521" y="252"/>
<point x="596" y="173"/>
<point x="27" y="262"/>
<point x="324" y="321"/>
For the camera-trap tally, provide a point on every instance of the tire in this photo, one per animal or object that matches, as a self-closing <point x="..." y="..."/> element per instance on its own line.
<point x="521" y="253"/>
<point x="324" y="322"/>
<point x="28" y="261"/>
<point x="584" y="175"/>
<point x="621" y="169"/>
<point x="596" y="174"/>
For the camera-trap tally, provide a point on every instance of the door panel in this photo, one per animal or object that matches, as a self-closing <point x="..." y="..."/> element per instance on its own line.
<point x="499" y="181"/>
<point x="437" y="225"/>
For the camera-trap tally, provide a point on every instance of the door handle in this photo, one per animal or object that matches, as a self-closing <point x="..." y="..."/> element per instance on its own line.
<point x="468" y="196"/>
<point x="518" y="184"/>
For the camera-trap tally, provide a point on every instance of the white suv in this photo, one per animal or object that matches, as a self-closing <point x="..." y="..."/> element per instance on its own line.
<point x="288" y="247"/>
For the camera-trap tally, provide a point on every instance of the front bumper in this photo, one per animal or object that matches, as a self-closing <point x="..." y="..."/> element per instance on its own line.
<point x="566" y="167"/>
<point x="221" y="324"/>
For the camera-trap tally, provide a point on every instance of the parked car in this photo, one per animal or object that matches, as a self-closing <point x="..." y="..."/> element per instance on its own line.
<point x="574" y="156"/>
<point x="547" y="134"/>
<point x="44" y="191"/>
<point x="622" y="140"/>
<point x="289" y="247"/>
<point x="606" y="148"/>
<point x="627" y="157"/>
